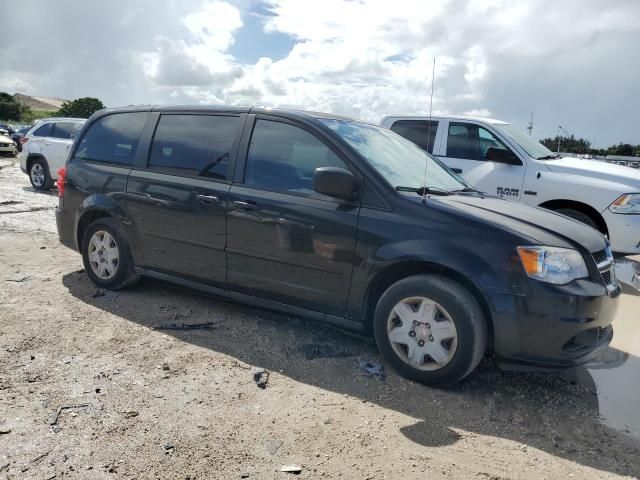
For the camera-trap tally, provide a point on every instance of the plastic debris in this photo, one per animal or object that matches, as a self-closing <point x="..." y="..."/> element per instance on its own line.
<point x="372" y="368"/>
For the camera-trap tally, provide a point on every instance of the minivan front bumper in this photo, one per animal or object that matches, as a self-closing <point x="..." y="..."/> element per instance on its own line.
<point x="554" y="327"/>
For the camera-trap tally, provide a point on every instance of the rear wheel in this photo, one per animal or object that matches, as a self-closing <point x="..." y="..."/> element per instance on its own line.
<point x="39" y="175"/>
<point x="430" y="329"/>
<point x="107" y="256"/>
<point x="579" y="216"/>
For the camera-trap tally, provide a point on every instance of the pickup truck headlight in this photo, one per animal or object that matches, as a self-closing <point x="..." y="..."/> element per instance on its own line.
<point x="553" y="265"/>
<point x="628" y="203"/>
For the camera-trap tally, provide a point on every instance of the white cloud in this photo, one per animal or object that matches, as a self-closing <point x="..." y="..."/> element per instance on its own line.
<point x="571" y="62"/>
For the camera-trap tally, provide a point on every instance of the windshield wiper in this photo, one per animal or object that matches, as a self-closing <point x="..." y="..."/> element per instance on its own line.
<point x="548" y="157"/>
<point x="464" y="190"/>
<point x="424" y="190"/>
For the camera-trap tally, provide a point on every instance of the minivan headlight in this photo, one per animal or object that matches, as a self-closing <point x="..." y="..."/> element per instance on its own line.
<point x="553" y="265"/>
<point x="628" y="203"/>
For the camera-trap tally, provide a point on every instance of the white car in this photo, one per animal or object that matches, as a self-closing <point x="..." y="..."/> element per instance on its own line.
<point x="498" y="158"/>
<point x="45" y="148"/>
<point x="7" y="146"/>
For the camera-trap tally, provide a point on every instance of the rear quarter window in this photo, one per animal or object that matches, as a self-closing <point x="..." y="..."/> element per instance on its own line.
<point x="113" y="138"/>
<point x="42" y="131"/>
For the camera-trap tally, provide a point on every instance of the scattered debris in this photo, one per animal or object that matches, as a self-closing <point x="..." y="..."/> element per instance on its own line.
<point x="372" y="368"/>
<point x="54" y="418"/>
<point x="316" y="350"/>
<point x="295" y="469"/>
<point x="273" y="446"/>
<point x="41" y="456"/>
<point x="98" y="293"/>
<point x="18" y="280"/>
<point x="4" y="430"/>
<point x="261" y="377"/>
<point x="10" y="202"/>
<point x="131" y="414"/>
<point x="165" y="367"/>
<point x="168" y="447"/>
<point x="185" y="326"/>
<point x="244" y="475"/>
<point x="4" y="466"/>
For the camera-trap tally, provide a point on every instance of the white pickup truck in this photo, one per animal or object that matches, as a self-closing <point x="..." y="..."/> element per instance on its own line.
<point x="497" y="158"/>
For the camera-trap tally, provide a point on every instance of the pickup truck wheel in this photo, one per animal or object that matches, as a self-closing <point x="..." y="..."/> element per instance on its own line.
<point x="430" y="329"/>
<point x="579" y="216"/>
<point x="39" y="175"/>
<point x="106" y="255"/>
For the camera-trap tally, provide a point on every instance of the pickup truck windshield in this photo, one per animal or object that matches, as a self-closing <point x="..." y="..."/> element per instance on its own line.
<point x="397" y="159"/>
<point x="530" y="145"/>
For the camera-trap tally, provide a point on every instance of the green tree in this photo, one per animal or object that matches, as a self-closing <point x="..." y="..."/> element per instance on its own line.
<point x="81" y="107"/>
<point x="569" y="144"/>
<point x="624" y="149"/>
<point x="9" y="108"/>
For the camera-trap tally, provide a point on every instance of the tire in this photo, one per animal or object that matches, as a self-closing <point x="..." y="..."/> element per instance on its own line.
<point x="452" y="304"/>
<point x="579" y="216"/>
<point x="113" y="275"/>
<point x="39" y="175"/>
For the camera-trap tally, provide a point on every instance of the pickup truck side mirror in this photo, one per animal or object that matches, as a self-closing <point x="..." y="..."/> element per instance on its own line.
<point x="334" y="182"/>
<point x="501" y="155"/>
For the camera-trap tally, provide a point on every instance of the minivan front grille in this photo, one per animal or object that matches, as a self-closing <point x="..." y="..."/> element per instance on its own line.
<point x="606" y="267"/>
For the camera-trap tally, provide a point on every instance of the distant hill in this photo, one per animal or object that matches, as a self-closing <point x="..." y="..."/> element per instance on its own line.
<point x="40" y="103"/>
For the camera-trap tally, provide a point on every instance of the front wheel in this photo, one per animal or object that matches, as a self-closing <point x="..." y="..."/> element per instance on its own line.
<point x="430" y="329"/>
<point x="106" y="255"/>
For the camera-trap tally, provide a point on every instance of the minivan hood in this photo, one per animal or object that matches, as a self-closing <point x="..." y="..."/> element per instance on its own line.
<point x="596" y="169"/>
<point x="538" y="224"/>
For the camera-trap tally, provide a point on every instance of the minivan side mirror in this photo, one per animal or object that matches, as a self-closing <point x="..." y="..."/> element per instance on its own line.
<point x="501" y="155"/>
<point x="334" y="182"/>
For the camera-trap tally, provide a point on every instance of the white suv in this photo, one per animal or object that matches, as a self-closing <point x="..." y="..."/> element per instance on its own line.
<point x="45" y="148"/>
<point x="498" y="158"/>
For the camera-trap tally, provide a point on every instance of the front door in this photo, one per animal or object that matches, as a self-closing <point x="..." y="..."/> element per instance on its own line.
<point x="179" y="202"/>
<point x="466" y="148"/>
<point x="287" y="243"/>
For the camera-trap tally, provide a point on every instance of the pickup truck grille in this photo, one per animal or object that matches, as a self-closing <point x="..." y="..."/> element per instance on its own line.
<point x="606" y="267"/>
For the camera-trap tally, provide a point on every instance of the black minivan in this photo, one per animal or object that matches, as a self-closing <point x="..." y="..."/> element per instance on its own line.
<point x="335" y="220"/>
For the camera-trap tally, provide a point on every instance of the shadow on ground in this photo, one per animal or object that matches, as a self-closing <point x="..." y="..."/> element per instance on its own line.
<point x="542" y="411"/>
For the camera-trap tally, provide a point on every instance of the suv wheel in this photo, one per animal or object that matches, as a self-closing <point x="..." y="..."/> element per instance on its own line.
<point x="39" y="175"/>
<point x="430" y="329"/>
<point x="106" y="255"/>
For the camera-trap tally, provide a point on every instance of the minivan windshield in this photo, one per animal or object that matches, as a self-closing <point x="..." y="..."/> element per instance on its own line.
<point x="529" y="144"/>
<point x="398" y="160"/>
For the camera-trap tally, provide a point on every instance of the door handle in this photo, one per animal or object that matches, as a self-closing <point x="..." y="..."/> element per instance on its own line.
<point x="456" y="170"/>
<point x="208" y="199"/>
<point x="245" y="205"/>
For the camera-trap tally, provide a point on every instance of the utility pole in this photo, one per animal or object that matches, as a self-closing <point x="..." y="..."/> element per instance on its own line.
<point x="560" y="129"/>
<point x="530" y="124"/>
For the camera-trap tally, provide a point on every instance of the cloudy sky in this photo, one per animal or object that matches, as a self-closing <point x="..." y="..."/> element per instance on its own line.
<point x="573" y="62"/>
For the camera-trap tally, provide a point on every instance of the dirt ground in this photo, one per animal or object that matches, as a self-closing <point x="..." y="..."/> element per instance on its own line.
<point x="113" y="385"/>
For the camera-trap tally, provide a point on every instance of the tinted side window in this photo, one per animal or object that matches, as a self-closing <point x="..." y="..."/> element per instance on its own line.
<point x="489" y="140"/>
<point x="113" y="139"/>
<point x="194" y="144"/>
<point x="469" y="141"/>
<point x="418" y="131"/>
<point x="462" y="141"/>
<point x="62" y="130"/>
<point x="43" y="131"/>
<point x="284" y="158"/>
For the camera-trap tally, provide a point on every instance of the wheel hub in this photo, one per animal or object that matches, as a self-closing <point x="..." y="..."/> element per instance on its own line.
<point x="422" y="333"/>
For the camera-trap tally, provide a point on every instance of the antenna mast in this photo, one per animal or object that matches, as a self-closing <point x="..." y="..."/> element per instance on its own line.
<point x="530" y="124"/>
<point x="426" y="161"/>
